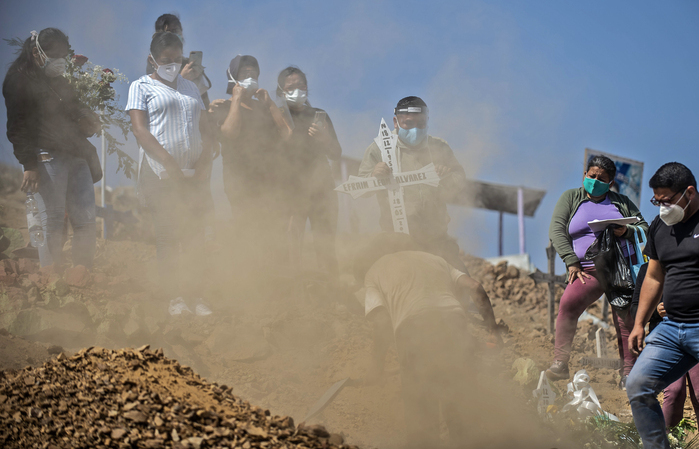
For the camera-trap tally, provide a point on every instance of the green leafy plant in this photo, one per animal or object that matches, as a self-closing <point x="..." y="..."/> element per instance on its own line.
<point x="93" y="85"/>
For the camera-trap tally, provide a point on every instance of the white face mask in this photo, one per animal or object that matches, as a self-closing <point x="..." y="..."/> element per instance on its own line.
<point x="673" y="214"/>
<point x="297" y="97"/>
<point x="168" y="72"/>
<point x="249" y="84"/>
<point x="55" y="67"/>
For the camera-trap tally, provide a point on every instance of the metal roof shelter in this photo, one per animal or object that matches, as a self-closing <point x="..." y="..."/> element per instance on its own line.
<point x="516" y="200"/>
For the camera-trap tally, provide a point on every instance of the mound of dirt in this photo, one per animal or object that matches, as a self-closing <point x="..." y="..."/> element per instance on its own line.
<point x="17" y="353"/>
<point x="137" y="398"/>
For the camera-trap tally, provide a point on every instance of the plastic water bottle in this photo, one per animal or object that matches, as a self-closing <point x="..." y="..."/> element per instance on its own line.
<point x="36" y="231"/>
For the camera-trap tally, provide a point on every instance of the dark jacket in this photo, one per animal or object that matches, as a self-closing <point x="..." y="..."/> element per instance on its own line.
<point x="42" y="115"/>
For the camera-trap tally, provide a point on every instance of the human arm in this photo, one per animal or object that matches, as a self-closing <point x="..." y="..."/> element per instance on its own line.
<point x="558" y="229"/>
<point x="651" y="293"/>
<point x="232" y="124"/>
<point x="140" y="129"/>
<point x="324" y="134"/>
<point x="451" y="172"/>
<point x="372" y="164"/>
<point x="465" y="283"/>
<point x="633" y="212"/>
<point x="283" y="128"/>
<point x="188" y="72"/>
<point x="202" y="168"/>
<point x="22" y="123"/>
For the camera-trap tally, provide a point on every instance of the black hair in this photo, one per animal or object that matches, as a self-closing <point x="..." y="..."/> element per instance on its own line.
<point x="381" y="245"/>
<point x="604" y="163"/>
<point x="284" y="74"/>
<point x="170" y="21"/>
<point x="410" y="102"/>
<point x="48" y="39"/>
<point x="674" y="176"/>
<point x="161" y="41"/>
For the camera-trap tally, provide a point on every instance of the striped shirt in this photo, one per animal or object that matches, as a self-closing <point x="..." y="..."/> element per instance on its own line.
<point x="173" y="119"/>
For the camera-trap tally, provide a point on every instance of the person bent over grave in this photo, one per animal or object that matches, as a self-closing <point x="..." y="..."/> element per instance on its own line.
<point x="417" y="295"/>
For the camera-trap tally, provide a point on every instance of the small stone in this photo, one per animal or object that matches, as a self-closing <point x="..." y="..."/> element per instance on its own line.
<point x="77" y="276"/>
<point x="118" y="433"/>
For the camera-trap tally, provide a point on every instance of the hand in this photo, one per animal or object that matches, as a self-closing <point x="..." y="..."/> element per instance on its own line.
<point x="661" y="310"/>
<point x="381" y="170"/>
<point x="494" y="340"/>
<point x="30" y="181"/>
<point x="576" y="272"/>
<point x="263" y="96"/>
<point x="237" y="94"/>
<point x="90" y="124"/>
<point x="620" y="230"/>
<point x="174" y="172"/>
<point x="188" y="72"/>
<point x="442" y="170"/>
<point x="319" y="132"/>
<point x="636" y="340"/>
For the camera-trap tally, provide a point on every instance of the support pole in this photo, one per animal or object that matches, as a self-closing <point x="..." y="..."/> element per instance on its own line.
<point x="551" y="255"/>
<point x="520" y="218"/>
<point x="104" y="177"/>
<point x="500" y="235"/>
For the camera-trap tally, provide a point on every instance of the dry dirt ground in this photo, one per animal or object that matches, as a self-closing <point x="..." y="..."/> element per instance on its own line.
<point x="278" y="339"/>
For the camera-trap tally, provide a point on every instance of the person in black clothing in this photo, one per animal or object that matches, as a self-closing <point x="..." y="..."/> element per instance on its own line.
<point x="251" y="130"/>
<point x="48" y="128"/>
<point x="308" y="175"/>
<point x="673" y="275"/>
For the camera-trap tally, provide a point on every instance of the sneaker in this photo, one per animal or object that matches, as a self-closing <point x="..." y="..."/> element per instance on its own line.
<point x="178" y="307"/>
<point x="558" y="371"/>
<point x="622" y="382"/>
<point x="202" y="309"/>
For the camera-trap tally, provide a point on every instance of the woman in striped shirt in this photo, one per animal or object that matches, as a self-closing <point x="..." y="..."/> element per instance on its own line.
<point x="174" y="169"/>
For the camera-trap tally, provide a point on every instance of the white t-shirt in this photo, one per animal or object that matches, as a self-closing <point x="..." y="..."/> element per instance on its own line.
<point x="409" y="283"/>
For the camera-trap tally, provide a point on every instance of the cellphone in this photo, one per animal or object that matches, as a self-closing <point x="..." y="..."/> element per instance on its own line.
<point x="196" y="57"/>
<point x="319" y="119"/>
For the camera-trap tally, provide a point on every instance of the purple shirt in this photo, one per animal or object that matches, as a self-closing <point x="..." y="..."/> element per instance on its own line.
<point x="581" y="233"/>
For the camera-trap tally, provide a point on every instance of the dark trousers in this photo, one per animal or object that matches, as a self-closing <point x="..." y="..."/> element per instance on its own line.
<point x="434" y="350"/>
<point x="321" y="210"/>
<point x="178" y="212"/>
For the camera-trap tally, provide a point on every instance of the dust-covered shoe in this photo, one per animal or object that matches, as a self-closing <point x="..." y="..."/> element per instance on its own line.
<point x="202" y="309"/>
<point x="178" y="307"/>
<point x="622" y="382"/>
<point x="558" y="371"/>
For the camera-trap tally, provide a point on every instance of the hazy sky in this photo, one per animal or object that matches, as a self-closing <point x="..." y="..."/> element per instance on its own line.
<point x="518" y="89"/>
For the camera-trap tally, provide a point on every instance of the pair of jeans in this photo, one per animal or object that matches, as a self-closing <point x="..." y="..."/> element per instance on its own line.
<point x="65" y="186"/>
<point x="671" y="350"/>
<point x="179" y="211"/>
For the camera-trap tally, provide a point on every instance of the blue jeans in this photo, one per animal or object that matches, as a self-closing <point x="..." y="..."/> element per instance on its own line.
<point x="671" y="350"/>
<point x="65" y="185"/>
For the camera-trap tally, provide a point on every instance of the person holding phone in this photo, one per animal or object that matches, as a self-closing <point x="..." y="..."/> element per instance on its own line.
<point x="251" y="129"/>
<point x="310" y="180"/>
<point x="174" y="170"/>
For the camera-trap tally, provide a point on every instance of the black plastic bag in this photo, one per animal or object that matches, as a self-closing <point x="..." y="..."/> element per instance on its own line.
<point x="613" y="270"/>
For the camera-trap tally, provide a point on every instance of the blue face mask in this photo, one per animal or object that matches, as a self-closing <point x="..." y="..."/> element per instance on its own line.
<point x="412" y="136"/>
<point x="595" y="187"/>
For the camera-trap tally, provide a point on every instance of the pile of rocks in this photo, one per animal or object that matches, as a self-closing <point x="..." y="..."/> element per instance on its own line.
<point x="137" y="398"/>
<point x="507" y="283"/>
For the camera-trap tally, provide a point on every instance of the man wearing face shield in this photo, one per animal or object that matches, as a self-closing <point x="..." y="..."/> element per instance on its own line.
<point x="426" y="206"/>
<point x="673" y="275"/>
<point x="251" y="128"/>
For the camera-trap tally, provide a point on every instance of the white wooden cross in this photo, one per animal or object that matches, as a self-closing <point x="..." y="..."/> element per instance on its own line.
<point x="544" y="394"/>
<point x="357" y="186"/>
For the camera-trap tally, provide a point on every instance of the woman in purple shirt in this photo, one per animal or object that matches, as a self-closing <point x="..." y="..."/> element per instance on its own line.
<point x="571" y="237"/>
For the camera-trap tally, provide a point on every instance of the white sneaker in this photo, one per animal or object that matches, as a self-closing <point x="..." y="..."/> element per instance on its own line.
<point x="178" y="307"/>
<point x="202" y="309"/>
